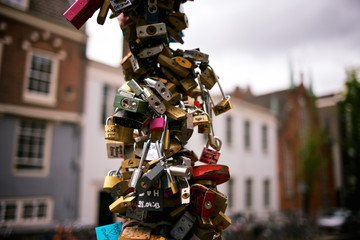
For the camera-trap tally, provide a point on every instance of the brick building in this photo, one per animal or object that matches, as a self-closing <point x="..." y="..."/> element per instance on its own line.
<point x="42" y="72"/>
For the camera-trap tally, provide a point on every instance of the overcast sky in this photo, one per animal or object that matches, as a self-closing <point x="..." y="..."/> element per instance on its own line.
<point x="253" y="42"/>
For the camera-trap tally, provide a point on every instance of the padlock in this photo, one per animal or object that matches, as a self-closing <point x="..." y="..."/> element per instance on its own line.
<point x="200" y="119"/>
<point x="112" y="131"/>
<point x="183" y="226"/>
<point x="217" y="173"/>
<point x="220" y="202"/>
<point x="187" y="128"/>
<point x="151" y="200"/>
<point x="130" y="119"/>
<point x="119" y="6"/>
<point x="121" y="189"/>
<point x="157" y="124"/>
<point x="152" y="31"/>
<point x="188" y="84"/>
<point x="110" y="181"/>
<point x="204" y="128"/>
<point x="172" y="66"/>
<point x="160" y="88"/>
<point x="174" y="112"/>
<point x="149" y="178"/>
<point x="150" y="52"/>
<point x="208" y="155"/>
<point x="170" y="76"/>
<point x="127" y="101"/>
<point x="201" y="201"/>
<point x="174" y="35"/>
<point x="184" y="190"/>
<point x="80" y="11"/>
<point x="136" y="213"/>
<point x="196" y="55"/>
<point x="137" y="66"/>
<point x="120" y="205"/>
<point x="221" y="222"/>
<point x="223" y="106"/>
<point x="128" y="69"/>
<point x="130" y="162"/>
<point x="147" y="95"/>
<point x="178" y="21"/>
<point x="135" y="232"/>
<point x="115" y="149"/>
<point x="208" y="78"/>
<point x="183" y="62"/>
<point x="135" y="46"/>
<point x="181" y="171"/>
<point x="128" y="27"/>
<point x="104" y="9"/>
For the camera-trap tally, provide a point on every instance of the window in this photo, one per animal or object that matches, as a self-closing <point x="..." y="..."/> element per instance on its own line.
<point x="26" y="211"/>
<point x="247" y="134"/>
<point x="267" y="193"/>
<point x="41" y="78"/>
<point x="33" y="141"/>
<point x="264" y="138"/>
<point x="107" y="108"/>
<point x="20" y="4"/>
<point x="229" y="129"/>
<point x="248" y="193"/>
<point x="288" y="173"/>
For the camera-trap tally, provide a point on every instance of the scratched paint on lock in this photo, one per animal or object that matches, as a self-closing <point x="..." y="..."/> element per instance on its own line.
<point x="109" y="232"/>
<point x="151" y="200"/>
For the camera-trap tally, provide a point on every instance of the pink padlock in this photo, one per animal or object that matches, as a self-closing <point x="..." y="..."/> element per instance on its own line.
<point x="157" y="124"/>
<point x="81" y="11"/>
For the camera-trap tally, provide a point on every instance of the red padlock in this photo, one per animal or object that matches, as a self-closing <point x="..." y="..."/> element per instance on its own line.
<point x="201" y="201"/>
<point x="217" y="173"/>
<point x="209" y="156"/>
<point x="81" y="11"/>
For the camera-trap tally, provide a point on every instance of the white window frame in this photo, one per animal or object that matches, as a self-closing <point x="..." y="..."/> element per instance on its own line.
<point x="20" y="203"/>
<point x="46" y="153"/>
<point x="37" y="97"/>
<point x="19" y="4"/>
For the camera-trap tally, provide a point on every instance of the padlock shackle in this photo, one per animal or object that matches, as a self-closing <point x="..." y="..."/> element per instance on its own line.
<point x="214" y="142"/>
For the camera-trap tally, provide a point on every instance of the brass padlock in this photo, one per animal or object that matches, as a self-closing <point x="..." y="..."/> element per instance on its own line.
<point x="174" y="112"/>
<point x="223" y="106"/>
<point x="200" y="119"/>
<point x="188" y="84"/>
<point x="221" y="222"/>
<point x="208" y="78"/>
<point x="110" y="181"/>
<point x="178" y="21"/>
<point x="135" y="232"/>
<point x="120" y="205"/>
<point x="204" y="128"/>
<point x="183" y="62"/>
<point x="170" y="76"/>
<point x="172" y="66"/>
<point x="112" y="131"/>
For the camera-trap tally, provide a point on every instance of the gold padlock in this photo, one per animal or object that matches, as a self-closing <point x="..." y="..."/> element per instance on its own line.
<point x="205" y="128"/>
<point x="174" y="112"/>
<point x="130" y="163"/>
<point x="208" y="78"/>
<point x="223" y="106"/>
<point x="111" y="130"/>
<point x="172" y="66"/>
<point x="188" y="84"/>
<point x="183" y="62"/>
<point x="205" y="222"/>
<point x="110" y="181"/>
<point x="221" y="222"/>
<point x="135" y="232"/>
<point x="120" y="205"/>
<point x="170" y="76"/>
<point x="200" y="119"/>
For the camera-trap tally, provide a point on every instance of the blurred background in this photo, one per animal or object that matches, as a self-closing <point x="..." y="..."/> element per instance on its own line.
<point x="291" y="140"/>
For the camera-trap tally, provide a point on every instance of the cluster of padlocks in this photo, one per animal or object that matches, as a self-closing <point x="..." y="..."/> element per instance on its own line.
<point x="159" y="188"/>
